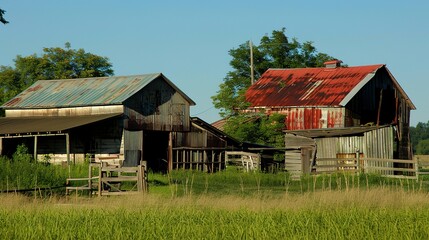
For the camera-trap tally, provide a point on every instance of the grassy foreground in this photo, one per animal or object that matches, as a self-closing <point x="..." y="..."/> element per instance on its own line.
<point x="379" y="213"/>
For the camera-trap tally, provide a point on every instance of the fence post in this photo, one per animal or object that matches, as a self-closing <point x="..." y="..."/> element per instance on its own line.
<point x="359" y="167"/>
<point x="416" y="167"/>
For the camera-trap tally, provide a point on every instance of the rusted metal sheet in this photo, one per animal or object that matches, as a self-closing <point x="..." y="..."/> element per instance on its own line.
<point x="306" y="86"/>
<point x="299" y="118"/>
<point x="84" y="92"/>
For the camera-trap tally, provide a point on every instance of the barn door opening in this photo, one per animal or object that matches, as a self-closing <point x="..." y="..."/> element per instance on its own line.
<point x="155" y="150"/>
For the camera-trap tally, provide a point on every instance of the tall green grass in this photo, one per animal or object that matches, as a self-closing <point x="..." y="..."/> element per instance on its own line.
<point x="182" y="183"/>
<point x="356" y="214"/>
<point x="22" y="172"/>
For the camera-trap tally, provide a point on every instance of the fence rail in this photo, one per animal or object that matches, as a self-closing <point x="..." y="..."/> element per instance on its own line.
<point x="109" y="179"/>
<point x="394" y="168"/>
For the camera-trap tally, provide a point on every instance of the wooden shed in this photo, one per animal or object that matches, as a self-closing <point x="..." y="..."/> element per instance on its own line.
<point x="204" y="147"/>
<point x="123" y="118"/>
<point x="306" y="147"/>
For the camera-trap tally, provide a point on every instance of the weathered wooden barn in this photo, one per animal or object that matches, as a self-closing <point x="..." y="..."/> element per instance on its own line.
<point x="128" y="118"/>
<point x="336" y="97"/>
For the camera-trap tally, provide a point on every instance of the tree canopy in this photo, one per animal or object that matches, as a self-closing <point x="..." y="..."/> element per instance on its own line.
<point x="54" y="63"/>
<point x="275" y="51"/>
<point x="420" y="138"/>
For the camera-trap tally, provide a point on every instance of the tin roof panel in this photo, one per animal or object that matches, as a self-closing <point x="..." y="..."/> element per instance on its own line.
<point x="84" y="91"/>
<point x="306" y="86"/>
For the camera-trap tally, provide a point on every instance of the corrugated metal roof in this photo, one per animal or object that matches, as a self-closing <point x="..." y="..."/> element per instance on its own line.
<point x="307" y="86"/>
<point x="19" y="125"/>
<point x="84" y="92"/>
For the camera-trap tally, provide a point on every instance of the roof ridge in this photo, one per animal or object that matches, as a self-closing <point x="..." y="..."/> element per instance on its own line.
<point x="86" y="78"/>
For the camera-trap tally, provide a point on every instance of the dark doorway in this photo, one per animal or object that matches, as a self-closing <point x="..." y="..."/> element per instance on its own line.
<point x="155" y="150"/>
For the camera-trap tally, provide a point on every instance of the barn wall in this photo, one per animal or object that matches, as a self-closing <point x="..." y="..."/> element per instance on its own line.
<point x="197" y="137"/>
<point x="377" y="143"/>
<point x="157" y="107"/>
<point x="311" y="117"/>
<point x="331" y="147"/>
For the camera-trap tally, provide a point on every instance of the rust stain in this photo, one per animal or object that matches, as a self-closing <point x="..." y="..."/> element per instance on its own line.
<point x="35" y="88"/>
<point x="13" y="101"/>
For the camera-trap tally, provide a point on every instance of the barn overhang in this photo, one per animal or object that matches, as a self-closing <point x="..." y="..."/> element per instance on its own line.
<point x="21" y="126"/>
<point x="334" y="132"/>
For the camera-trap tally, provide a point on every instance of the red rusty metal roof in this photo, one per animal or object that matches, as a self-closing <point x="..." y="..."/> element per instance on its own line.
<point x="309" y="86"/>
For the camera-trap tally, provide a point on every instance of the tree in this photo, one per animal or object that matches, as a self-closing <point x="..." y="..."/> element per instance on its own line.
<point x="419" y="133"/>
<point x="2" y="20"/>
<point x="275" y="51"/>
<point x="423" y="147"/>
<point x="258" y="128"/>
<point x="55" y="63"/>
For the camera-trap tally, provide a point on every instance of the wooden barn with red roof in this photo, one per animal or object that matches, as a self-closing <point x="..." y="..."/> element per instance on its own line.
<point x="337" y="101"/>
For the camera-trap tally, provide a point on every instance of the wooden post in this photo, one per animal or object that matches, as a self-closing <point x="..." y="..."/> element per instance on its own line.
<point x="170" y="152"/>
<point x="35" y="149"/>
<point x="358" y="165"/>
<point x="416" y="168"/>
<point x="204" y="161"/>
<point x="90" y="179"/>
<point x="183" y="159"/>
<point x="213" y="160"/>
<point x="145" y="186"/>
<point x="305" y="160"/>
<point x="100" y="179"/>
<point x="68" y="148"/>
<point x="220" y="160"/>
<point x="140" y="177"/>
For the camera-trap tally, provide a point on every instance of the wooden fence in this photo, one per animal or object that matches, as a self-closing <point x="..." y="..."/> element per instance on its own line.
<point x="107" y="179"/>
<point x="393" y="168"/>
<point x="203" y="159"/>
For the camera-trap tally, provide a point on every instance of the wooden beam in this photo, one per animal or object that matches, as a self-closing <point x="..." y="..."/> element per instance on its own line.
<point x="68" y="148"/>
<point x="35" y="148"/>
<point x="170" y="152"/>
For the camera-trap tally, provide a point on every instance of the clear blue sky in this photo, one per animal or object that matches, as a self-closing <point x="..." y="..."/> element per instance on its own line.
<point x="188" y="41"/>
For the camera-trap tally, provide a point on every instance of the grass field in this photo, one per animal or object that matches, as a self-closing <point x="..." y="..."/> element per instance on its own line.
<point x="224" y="205"/>
<point x="377" y="213"/>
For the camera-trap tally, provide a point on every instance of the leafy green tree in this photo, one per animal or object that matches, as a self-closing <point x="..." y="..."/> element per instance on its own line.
<point x="418" y="133"/>
<point x="2" y="20"/>
<point x="257" y="128"/>
<point x="423" y="147"/>
<point x="54" y="63"/>
<point x="275" y="51"/>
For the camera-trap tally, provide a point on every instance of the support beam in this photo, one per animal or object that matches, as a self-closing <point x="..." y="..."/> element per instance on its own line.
<point x="170" y="152"/>
<point x="35" y="148"/>
<point x="68" y="148"/>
